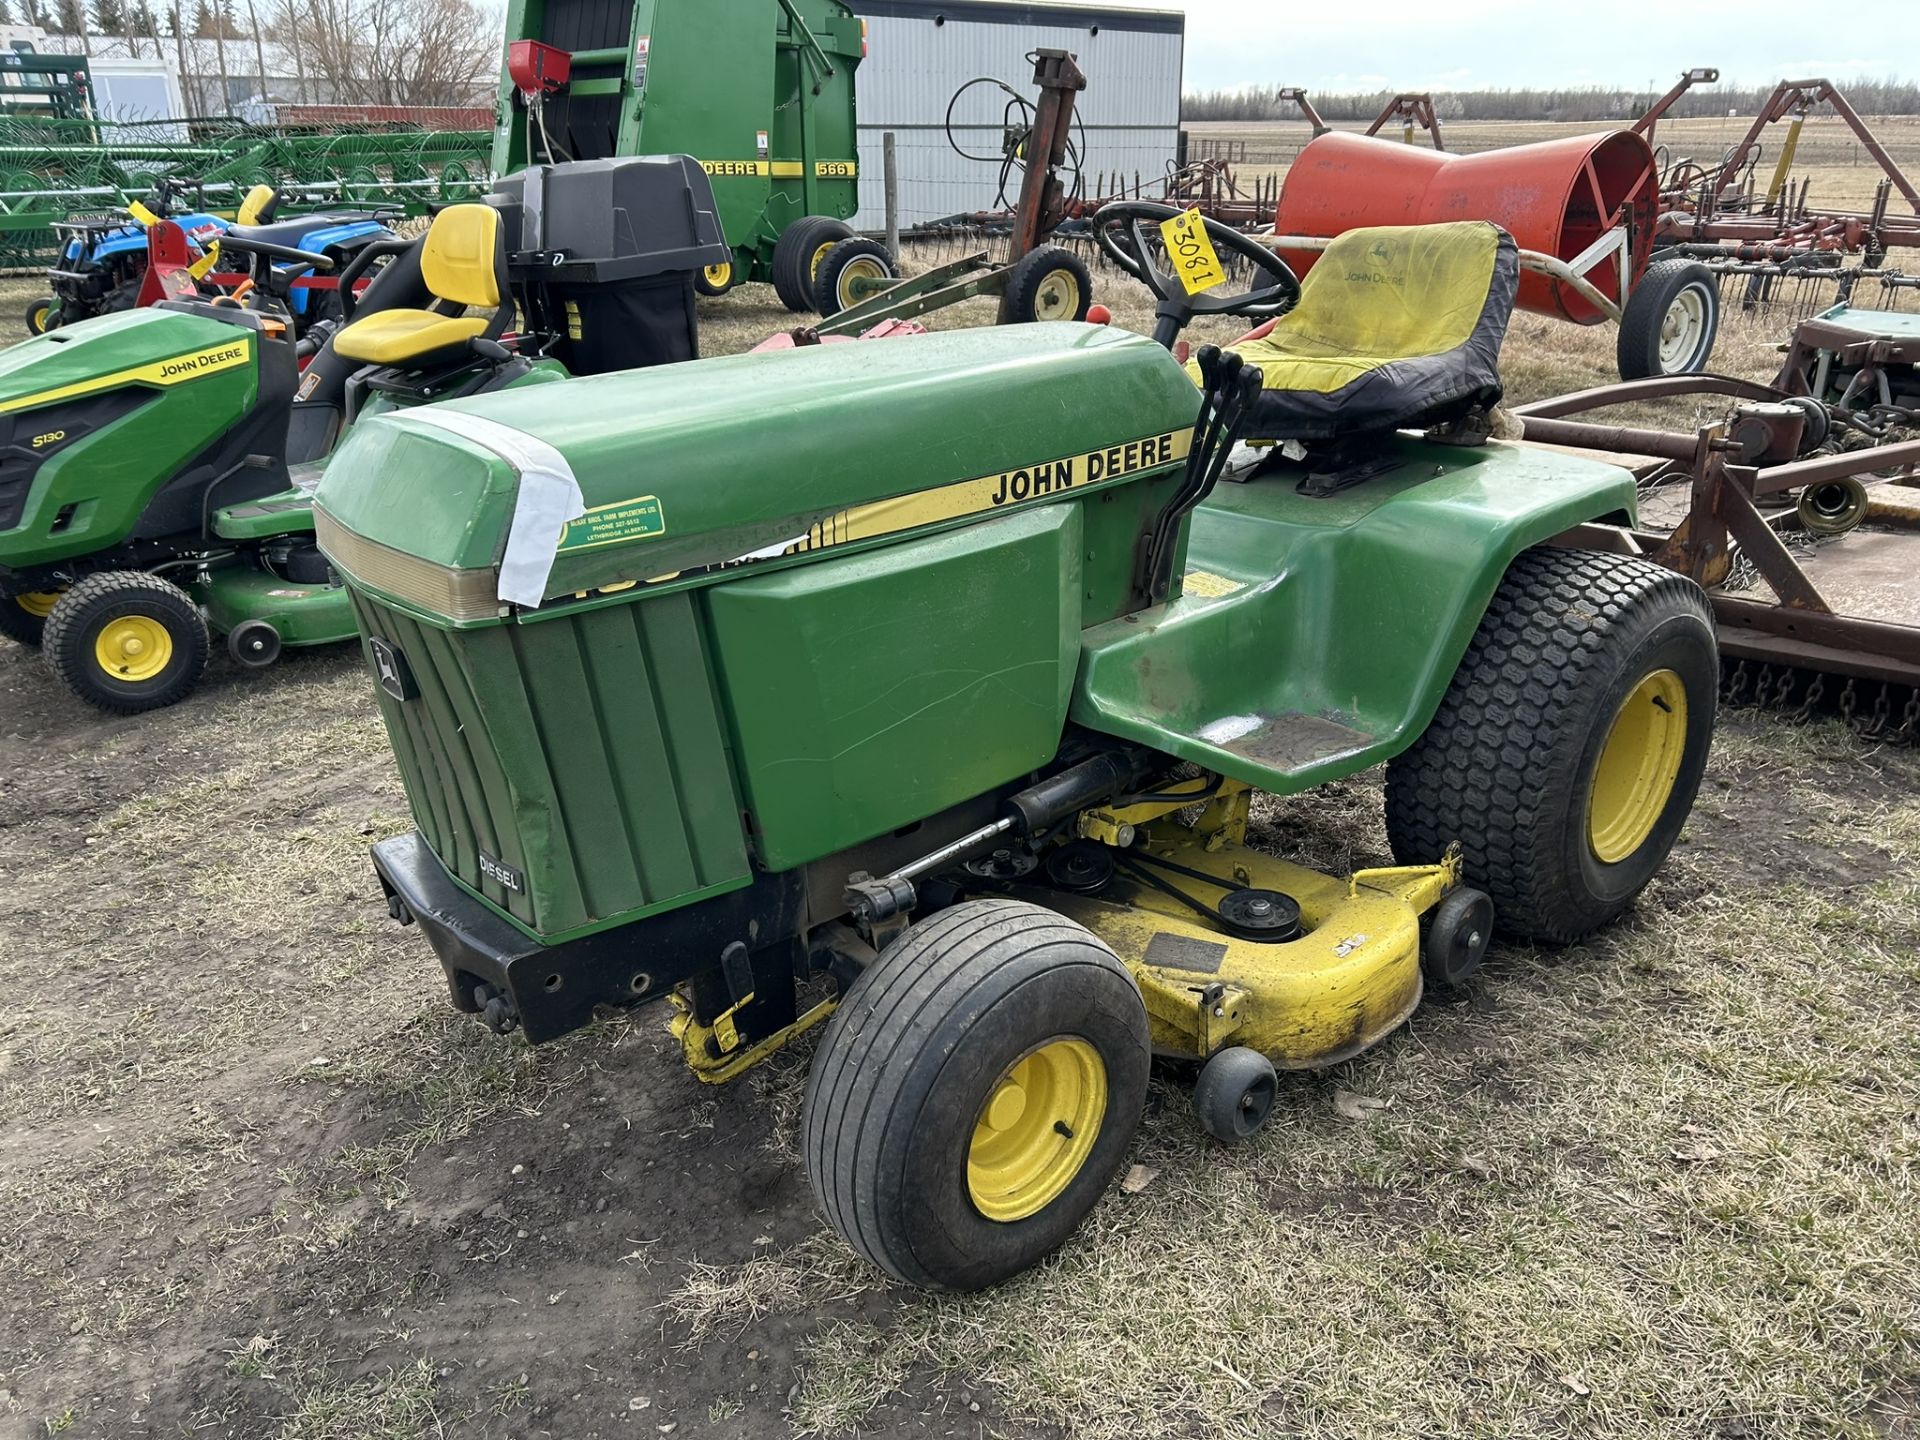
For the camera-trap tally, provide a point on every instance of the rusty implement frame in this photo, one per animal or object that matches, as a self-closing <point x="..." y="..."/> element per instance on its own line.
<point x="1802" y="630"/>
<point x="1042" y="206"/>
<point x="1413" y="112"/>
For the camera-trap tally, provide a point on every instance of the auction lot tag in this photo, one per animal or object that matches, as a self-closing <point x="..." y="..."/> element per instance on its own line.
<point x="1192" y="253"/>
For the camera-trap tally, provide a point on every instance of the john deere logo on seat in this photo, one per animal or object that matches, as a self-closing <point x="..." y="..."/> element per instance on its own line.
<point x="390" y="668"/>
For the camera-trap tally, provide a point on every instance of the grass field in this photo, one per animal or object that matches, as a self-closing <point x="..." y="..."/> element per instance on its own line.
<point x="257" y="1179"/>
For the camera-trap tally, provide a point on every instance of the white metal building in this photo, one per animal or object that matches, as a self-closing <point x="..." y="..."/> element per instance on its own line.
<point x="921" y="51"/>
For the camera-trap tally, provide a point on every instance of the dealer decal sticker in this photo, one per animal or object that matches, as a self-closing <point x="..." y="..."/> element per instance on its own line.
<point x="638" y="519"/>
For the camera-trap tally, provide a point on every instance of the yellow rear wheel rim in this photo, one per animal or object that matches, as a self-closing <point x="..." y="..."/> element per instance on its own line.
<point x="133" y="648"/>
<point x="719" y="276"/>
<point x="1036" y="1129"/>
<point x="37" y="603"/>
<point x="1058" y="296"/>
<point x="1639" y="763"/>
<point x="819" y="254"/>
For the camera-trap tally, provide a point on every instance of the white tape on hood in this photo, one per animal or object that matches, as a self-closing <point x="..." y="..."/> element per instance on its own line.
<point x="549" y="497"/>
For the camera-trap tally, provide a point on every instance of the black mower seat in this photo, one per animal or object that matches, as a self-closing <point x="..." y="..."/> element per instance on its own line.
<point x="1396" y="327"/>
<point x="290" y="233"/>
<point x="463" y="262"/>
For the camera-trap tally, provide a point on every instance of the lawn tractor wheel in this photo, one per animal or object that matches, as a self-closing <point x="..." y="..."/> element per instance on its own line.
<point x="1235" y="1093"/>
<point x="1670" y="321"/>
<point x="40" y="315"/>
<point x="1566" y="753"/>
<point x="127" y="641"/>
<point x="974" y="1094"/>
<point x="797" y="255"/>
<point x="1458" y="934"/>
<point x="1047" y="284"/>
<point x="850" y="260"/>
<point x="716" y="280"/>
<point x="24" y="617"/>
<point x="1832" y="507"/>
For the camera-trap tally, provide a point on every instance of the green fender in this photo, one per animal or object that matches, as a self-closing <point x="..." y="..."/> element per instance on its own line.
<point x="1316" y="637"/>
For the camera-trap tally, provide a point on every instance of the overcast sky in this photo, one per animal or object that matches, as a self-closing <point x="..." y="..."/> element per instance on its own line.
<point x="1336" y="45"/>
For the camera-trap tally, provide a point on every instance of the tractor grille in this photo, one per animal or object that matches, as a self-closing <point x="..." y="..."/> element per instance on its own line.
<point x="16" y="478"/>
<point x="571" y="771"/>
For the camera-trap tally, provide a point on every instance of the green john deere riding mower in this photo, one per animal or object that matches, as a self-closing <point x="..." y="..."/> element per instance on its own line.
<point x="920" y="687"/>
<point x="157" y="466"/>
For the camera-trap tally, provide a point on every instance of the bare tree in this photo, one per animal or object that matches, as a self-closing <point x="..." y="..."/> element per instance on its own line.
<point x="395" y="52"/>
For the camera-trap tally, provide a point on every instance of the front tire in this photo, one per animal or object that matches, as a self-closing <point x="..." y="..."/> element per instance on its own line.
<point x="714" y="281"/>
<point x="1567" y="751"/>
<point x="1670" y="322"/>
<point x="127" y="641"/>
<point x="41" y="315"/>
<point x="974" y="1094"/>
<point x="23" y="617"/>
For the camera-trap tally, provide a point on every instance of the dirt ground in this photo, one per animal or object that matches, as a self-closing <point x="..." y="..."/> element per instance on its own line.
<point x="258" y="1180"/>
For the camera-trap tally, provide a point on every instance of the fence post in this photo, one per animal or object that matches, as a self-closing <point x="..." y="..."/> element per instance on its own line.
<point x="890" y="172"/>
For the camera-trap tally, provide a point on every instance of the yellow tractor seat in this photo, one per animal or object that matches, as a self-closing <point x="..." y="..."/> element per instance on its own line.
<point x="463" y="264"/>
<point x="1396" y="327"/>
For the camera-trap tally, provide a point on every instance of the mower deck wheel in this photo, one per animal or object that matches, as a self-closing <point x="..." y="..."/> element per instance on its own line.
<point x="1050" y="283"/>
<point x="254" y="644"/>
<point x="1458" y="934"/>
<point x="127" y="641"/>
<point x="23" y="617"/>
<point x="797" y="255"/>
<point x="42" y="315"/>
<point x="1235" y="1094"/>
<point x="850" y="260"/>
<point x="1670" y="321"/>
<point x="1566" y="753"/>
<point x="974" y="1094"/>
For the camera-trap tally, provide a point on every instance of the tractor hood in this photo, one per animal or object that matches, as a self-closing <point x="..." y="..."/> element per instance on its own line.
<point x="153" y="347"/>
<point x="677" y="475"/>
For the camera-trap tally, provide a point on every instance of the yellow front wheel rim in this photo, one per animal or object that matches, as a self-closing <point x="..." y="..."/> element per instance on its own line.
<point x="1036" y="1129"/>
<point x="1639" y="762"/>
<point x="718" y="276"/>
<point x="1058" y="296"/>
<point x="133" y="648"/>
<point x="37" y="603"/>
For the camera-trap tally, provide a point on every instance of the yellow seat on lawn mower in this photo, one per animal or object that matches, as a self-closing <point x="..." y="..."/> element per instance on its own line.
<point x="1396" y="326"/>
<point x="463" y="262"/>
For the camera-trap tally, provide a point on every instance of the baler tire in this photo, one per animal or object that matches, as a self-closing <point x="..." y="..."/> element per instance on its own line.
<point x="797" y="253"/>
<point x="925" y="1043"/>
<point x="1511" y="764"/>
<point x="1667" y="283"/>
<point x="857" y="256"/>
<point x="1038" y="275"/>
<point x="76" y="638"/>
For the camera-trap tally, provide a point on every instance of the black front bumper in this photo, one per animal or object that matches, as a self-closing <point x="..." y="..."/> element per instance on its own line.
<point x="497" y="971"/>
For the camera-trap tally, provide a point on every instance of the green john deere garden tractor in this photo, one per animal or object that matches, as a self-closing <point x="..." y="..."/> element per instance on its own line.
<point x="921" y="686"/>
<point x="158" y="465"/>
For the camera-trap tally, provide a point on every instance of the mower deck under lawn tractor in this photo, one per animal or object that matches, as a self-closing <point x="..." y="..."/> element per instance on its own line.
<point x="855" y="707"/>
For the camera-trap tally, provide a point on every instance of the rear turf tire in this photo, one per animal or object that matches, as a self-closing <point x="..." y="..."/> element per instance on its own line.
<point x="797" y="255"/>
<point x="1050" y="283"/>
<point x="1567" y="751"/>
<point x="127" y="641"/>
<point x="957" y="1057"/>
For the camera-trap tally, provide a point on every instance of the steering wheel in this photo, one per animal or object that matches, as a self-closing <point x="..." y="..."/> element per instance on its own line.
<point x="267" y="280"/>
<point x="1130" y="218"/>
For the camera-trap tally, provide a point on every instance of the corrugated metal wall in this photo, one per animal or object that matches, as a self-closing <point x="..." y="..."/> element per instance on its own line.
<point x="921" y="53"/>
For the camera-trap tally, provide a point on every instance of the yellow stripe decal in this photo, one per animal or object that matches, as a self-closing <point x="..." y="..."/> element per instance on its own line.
<point x="788" y="169"/>
<point x="1006" y="490"/>
<point x="164" y="372"/>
